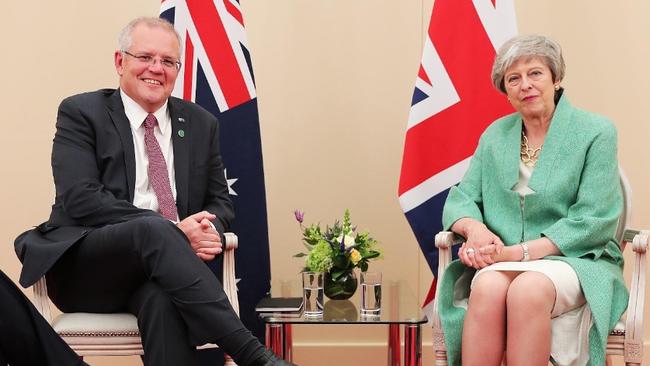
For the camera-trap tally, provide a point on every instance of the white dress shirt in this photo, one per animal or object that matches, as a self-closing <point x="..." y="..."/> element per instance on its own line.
<point x="144" y="195"/>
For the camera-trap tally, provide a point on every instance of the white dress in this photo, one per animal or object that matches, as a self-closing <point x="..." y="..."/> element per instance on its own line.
<point x="571" y="317"/>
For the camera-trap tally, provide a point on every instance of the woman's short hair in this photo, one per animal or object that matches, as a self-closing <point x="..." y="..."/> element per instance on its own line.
<point x="525" y="46"/>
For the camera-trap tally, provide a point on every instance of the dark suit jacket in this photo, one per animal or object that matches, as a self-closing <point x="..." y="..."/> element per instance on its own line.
<point x="93" y="163"/>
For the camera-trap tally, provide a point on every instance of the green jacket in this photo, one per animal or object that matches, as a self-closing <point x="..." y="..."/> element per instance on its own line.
<point x="576" y="204"/>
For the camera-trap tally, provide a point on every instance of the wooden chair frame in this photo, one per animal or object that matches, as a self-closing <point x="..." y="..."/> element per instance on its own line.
<point x="117" y="334"/>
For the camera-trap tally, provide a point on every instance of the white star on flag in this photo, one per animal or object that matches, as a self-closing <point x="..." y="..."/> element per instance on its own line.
<point x="230" y="183"/>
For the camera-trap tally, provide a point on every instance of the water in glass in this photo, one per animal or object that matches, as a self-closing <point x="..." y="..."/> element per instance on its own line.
<point x="313" y="300"/>
<point x="370" y="298"/>
<point x="312" y="294"/>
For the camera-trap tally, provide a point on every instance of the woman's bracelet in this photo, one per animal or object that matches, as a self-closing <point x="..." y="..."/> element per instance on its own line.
<point x="524" y="248"/>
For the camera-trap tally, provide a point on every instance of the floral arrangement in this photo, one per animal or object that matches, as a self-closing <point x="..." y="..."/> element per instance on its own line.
<point x="338" y="249"/>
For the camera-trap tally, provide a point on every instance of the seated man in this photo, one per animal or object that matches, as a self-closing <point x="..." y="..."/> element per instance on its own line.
<point x="141" y="202"/>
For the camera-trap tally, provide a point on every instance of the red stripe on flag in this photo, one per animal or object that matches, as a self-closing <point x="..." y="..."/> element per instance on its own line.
<point x="451" y="135"/>
<point x="234" y="12"/>
<point x="189" y="68"/>
<point x="432" y="292"/>
<point x="217" y="46"/>
<point x="422" y="74"/>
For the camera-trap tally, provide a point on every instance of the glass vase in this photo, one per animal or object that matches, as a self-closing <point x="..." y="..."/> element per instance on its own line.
<point x="342" y="287"/>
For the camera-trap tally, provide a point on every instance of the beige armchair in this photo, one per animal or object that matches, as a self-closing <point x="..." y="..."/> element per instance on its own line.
<point x="627" y="337"/>
<point x="91" y="334"/>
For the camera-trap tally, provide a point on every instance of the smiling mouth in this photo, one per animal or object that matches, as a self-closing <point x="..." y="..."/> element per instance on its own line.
<point x="152" y="82"/>
<point x="529" y="98"/>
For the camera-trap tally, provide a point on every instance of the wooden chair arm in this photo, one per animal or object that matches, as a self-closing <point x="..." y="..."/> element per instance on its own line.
<point x="229" y="283"/>
<point x="41" y="301"/>
<point x="634" y="320"/>
<point x="444" y="241"/>
<point x="229" y="280"/>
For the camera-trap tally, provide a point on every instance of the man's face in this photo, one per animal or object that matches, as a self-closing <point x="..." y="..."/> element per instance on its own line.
<point x="148" y="83"/>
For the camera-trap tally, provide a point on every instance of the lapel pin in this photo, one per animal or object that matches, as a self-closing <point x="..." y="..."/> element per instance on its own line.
<point x="181" y="119"/>
<point x="181" y="133"/>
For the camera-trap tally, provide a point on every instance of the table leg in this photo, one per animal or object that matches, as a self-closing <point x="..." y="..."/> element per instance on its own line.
<point x="394" y="357"/>
<point x="412" y="345"/>
<point x="279" y="340"/>
<point x="274" y="338"/>
<point x="288" y="342"/>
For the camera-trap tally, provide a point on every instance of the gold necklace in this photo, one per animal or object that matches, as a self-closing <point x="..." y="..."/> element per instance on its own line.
<point x="528" y="155"/>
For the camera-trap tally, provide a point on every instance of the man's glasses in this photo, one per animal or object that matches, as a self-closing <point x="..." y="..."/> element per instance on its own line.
<point x="150" y="60"/>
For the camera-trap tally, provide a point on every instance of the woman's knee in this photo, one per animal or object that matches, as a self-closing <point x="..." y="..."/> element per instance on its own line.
<point x="531" y="291"/>
<point x="489" y="291"/>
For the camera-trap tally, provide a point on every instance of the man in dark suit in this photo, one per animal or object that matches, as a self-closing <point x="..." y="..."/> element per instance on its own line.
<point x="141" y="201"/>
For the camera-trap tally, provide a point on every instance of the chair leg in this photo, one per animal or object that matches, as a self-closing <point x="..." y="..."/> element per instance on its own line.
<point x="440" y="358"/>
<point x="608" y="360"/>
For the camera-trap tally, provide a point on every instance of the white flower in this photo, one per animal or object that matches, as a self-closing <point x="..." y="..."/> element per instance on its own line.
<point x="348" y="240"/>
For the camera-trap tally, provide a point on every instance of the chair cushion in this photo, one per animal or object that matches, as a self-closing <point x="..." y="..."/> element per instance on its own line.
<point x="619" y="328"/>
<point x="92" y="328"/>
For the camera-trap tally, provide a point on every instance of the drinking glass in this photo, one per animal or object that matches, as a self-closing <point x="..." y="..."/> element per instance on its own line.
<point x="370" y="293"/>
<point x="312" y="294"/>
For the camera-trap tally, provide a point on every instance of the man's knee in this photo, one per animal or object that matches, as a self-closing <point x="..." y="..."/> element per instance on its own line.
<point x="155" y="231"/>
<point x="152" y="224"/>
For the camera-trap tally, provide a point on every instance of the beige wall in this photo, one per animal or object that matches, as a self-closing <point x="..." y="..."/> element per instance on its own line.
<point x="334" y="79"/>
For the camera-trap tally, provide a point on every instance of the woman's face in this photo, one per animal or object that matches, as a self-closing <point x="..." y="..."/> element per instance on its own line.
<point x="530" y="87"/>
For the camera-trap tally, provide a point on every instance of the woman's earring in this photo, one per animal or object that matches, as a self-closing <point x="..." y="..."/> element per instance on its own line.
<point x="557" y="87"/>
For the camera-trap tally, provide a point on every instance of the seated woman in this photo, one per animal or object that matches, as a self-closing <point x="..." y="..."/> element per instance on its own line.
<point x="540" y="272"/>
<point x="26" y="339"/>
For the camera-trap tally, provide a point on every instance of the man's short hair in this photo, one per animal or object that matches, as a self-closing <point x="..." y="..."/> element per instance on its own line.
<point x="125" y="40"/>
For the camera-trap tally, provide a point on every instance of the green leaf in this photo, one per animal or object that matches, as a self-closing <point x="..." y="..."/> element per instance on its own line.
<point x="335" y="274"/>
<point x="336" y="290"/>
<point x="299" y="255"/>
<point x="341" y="261"/>
<point x="363" y="265"/>
<point x="372" y="254"/>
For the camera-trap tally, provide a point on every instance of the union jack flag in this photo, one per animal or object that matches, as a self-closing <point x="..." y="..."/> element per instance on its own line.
<point x="217" y="74"/>
<point x="453" y="102"/>
<point x="214" y="39"/>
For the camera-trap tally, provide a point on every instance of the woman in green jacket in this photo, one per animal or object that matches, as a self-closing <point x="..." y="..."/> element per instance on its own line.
<point x="540" y="272"/>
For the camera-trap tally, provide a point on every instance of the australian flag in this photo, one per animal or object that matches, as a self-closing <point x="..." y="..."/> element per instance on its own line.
<point x="453" y="102"/>
<point x="217" y="74"/>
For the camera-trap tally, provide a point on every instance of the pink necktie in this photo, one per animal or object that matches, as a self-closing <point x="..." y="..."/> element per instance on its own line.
<point x="157" y="171"/>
